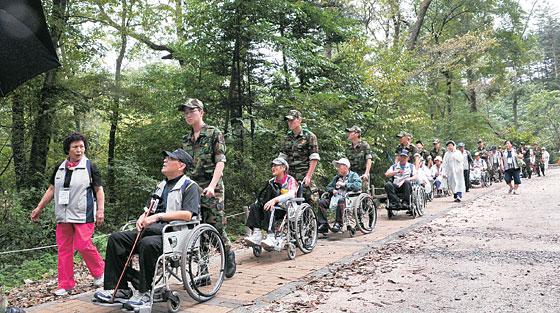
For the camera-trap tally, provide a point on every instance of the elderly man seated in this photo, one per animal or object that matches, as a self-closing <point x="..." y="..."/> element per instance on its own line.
<point x="478" y="166"/>
<point x="402" y="174"/>
<point x="179" y="200"/>
<point x="345" y="180"/>
<point x="279" y="189"/>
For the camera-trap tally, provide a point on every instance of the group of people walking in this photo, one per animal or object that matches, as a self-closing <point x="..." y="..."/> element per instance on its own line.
<point x="193" y="186"/>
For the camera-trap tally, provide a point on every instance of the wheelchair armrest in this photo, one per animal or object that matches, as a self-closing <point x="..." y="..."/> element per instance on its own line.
<point x="297" y="199"/>
<point x="128" y="224"/>
<point x="325" y="195"/>
<point x="179" y="224"/>
<point x="353" y="193"/>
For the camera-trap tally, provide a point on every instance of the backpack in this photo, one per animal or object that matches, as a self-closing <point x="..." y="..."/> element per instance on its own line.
<point x="270" y="191"/>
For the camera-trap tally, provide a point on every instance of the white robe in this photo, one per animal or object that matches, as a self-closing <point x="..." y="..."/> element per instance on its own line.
<point x="546" y="157"/>
<point x="452" y="168"/>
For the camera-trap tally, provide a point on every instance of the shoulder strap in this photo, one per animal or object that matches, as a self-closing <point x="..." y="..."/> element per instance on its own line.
<point x="411" y="169"/>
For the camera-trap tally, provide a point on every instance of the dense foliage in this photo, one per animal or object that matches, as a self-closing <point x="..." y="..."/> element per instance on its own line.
<point x="459" y="69"/>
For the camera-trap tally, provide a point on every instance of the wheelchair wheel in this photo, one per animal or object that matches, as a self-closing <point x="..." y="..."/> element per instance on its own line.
<point x="291" y="249"/>
<point x="257" y="251"/>
<point x="420" y="202"/>
<point x="306" y="228"/>
<point x="174" y="303"/>
<point x="365" y="213"/>
<point x="203" y="263"/>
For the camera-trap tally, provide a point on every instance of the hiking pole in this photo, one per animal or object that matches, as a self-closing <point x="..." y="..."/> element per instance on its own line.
<point x="154" y="202"/>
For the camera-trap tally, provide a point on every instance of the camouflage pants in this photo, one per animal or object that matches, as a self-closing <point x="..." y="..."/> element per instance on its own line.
<point x="311" y="194"/>
<point x="366" y="186"/>
<point x="213" y="213"/>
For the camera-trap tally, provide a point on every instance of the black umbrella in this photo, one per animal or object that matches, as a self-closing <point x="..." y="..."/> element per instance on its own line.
<point x="26" y="47"/>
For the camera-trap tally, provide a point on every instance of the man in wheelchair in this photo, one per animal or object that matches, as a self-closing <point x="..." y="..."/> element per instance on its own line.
<point x="343" y="182"/>
<point x="279" y="189"/>
<point x="179" y="201"/>
<point x="402" y="175"/>
<point x="478" y="167"/>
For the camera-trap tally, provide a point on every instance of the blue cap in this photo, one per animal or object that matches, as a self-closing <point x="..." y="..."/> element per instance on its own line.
<point x="404" y="152"/>
<point x="461" y="144"/>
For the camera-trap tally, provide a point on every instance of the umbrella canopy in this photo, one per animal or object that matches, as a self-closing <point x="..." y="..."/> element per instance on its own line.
<point x="26" y="47"/>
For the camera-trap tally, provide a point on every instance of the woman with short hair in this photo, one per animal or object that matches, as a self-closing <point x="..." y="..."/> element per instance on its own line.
<point x="76" y="188"/>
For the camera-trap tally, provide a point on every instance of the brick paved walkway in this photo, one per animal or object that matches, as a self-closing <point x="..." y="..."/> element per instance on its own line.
<point x="261" y="280"/>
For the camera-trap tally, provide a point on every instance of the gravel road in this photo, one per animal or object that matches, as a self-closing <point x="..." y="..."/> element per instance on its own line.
<point x="498" y="253"/>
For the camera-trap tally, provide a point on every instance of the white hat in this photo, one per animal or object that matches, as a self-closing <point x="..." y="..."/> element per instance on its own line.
<point x="343" y="161"/>
<point x="438" y="158"/>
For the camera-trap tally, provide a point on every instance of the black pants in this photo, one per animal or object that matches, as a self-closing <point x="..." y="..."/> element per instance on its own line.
<point x="259" y="217"/>
<point x="467" y="176"/>
<point x="540" y="168"/>
<point x="324" y="207"/>
<point x="149" y="248"/>
<point x="392" y="189"/>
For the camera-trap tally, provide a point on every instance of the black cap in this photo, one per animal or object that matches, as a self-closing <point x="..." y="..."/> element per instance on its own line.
<point x="180" y="155"/>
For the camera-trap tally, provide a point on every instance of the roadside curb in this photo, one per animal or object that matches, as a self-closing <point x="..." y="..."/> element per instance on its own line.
<point x="267" y="299"/>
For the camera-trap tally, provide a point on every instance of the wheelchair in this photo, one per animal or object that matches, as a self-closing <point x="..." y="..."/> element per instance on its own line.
<point x="193" y="257"/>
<point x="296" y="228"/>
<point x="483" y="180"/>
<point x="418" y="201"/>
<point x="360" y="212"/>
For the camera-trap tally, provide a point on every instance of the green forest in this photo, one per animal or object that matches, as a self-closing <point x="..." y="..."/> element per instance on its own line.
<point x="465" y="70"/>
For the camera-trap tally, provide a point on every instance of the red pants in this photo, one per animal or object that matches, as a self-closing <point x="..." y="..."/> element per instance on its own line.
<point x="70" y="236"/>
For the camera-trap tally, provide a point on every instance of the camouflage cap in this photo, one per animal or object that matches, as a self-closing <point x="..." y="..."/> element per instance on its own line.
<point x="409" y="135"/>
<point x="436" y="141"/>
<point x="401" y="134"/>
<point x="293" y="115"/>
<point x="354" y="128"/>
<point x="191" y="103"/>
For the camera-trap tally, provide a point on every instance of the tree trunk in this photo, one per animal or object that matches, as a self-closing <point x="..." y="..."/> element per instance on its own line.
<point x="42" y="131"/>
<point x="514" y="107"/>
<point x="18" y="141"/>
<point x="115" y="114"/>
<point x="411" y="41"/>
<point x="448" y="80"/>
<point x="471" y="92"/>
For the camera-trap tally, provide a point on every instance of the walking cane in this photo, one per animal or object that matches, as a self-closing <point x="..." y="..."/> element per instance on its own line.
<point x="154" y="202"/>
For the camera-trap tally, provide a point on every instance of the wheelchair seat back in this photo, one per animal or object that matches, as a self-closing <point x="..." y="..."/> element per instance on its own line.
<point x="176" y="234"/>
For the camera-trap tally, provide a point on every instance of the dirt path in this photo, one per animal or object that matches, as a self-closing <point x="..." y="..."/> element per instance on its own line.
<point x="499" y="253"/>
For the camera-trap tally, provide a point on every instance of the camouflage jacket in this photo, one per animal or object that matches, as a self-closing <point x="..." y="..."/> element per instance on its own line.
<point x="207" y="151"/>
<point x="538" y="156"/>
<point x="412" y="150"/>
<point x="482" y="152"/>
<point x="297" y="150"/>
<point x="440" y="152"/>
<point x="358" y="156"/>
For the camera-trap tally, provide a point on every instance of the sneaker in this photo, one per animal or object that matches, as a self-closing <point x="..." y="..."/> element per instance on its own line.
<point x="230" y="264"/>
<point x="138" y="300"/>
<point x="98" y="282"/>
<point x="336" y="228"/>
<point x="61" y="292"/>
<point x="510" y="190"/>
<point x="457" y="199"/>
<point x="122" y="295"/>
<point x="269" y="242"/>
<point x="255" y="238"/>
<point x="323" y="229"/>
<point x="515" y="191"/>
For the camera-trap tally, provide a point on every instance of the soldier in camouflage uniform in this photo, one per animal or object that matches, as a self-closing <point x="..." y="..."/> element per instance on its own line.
<point x="527" y="171"/>
<point x="481" y="149"/>
<point x="359" y="155"/>
<point x="437" y="150"/>
<point x="300" y="148"/>
<point x="423" y="153"/>
<point x="405" y="144"/>
<point x="207" y="146"/>
<point x="539" y="166"/>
